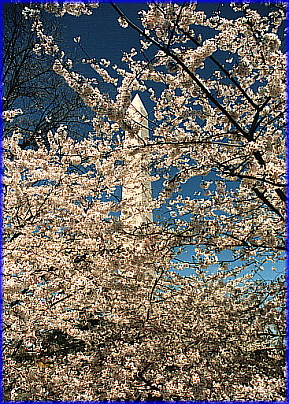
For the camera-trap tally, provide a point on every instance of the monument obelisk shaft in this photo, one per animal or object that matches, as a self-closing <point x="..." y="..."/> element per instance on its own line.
<point x="136" y="187"/>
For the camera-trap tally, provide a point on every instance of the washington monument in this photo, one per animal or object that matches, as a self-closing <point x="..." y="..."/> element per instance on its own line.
<point x="136" y="187"/>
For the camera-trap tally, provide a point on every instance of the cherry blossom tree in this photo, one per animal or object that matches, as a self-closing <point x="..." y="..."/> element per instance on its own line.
<point x="97" y="308"/>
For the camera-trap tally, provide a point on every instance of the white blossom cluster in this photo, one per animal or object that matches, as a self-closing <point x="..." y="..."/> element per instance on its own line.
<point x="10" y="114"/>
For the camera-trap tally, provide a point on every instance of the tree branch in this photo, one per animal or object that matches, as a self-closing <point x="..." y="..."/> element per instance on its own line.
<point x="225" y="71"/>
<point x="268" y="203"/>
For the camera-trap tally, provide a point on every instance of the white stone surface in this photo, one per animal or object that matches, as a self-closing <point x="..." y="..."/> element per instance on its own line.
<point x="136" y="186"/>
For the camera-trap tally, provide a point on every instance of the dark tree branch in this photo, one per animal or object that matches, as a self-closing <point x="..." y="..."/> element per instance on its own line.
<point x="281" y="194"/>
<point x="225" y="71"/>
<point x="261" y="196"/>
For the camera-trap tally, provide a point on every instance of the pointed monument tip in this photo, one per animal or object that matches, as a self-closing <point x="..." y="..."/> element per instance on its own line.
<point x="137" y="100"/>
<point x="138" y="105"/>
